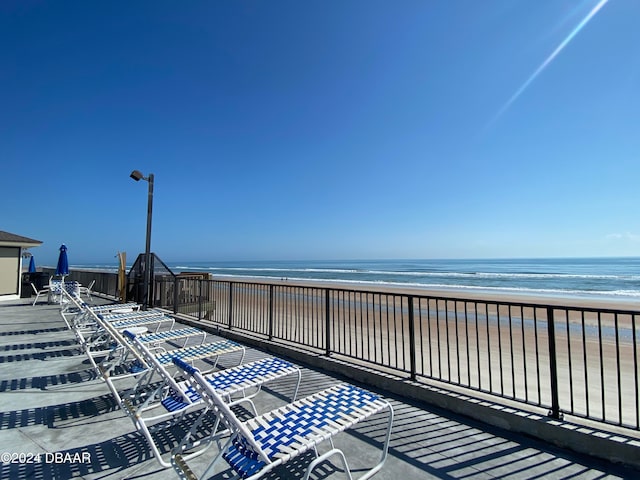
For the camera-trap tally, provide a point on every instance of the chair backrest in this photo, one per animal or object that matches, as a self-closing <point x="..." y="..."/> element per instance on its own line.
<point x="112" y="317"/>
<point x="93" y="282"/>
<point x="55" y="286"/>
<point x="116" y="308"/>
<point x="242" y="437"/>
<point x="72" y="287"/>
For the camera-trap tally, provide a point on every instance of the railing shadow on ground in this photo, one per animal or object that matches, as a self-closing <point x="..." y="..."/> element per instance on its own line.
<point x="110" y="456"/>
<point x="34" y="331"/>
<point x="445" y="445"/>
<point x="39" y="345"/>
<point x="22" y="357"/>
<point x="437" y="453"/>
<point x="52" y="415"/>
<point x="432" y="442"/>
<point x="46" y="381"/>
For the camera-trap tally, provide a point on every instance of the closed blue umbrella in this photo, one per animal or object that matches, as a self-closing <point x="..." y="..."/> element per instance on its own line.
<point x="62" y="268"/>
<point x="63" y="263"/>
<point x="32" y="265"/>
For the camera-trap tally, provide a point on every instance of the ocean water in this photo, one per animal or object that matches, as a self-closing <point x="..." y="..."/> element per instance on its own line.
<point x="565" y="277"/>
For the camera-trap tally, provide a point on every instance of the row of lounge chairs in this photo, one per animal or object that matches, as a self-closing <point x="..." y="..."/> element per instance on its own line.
<point x="161" y="374"/>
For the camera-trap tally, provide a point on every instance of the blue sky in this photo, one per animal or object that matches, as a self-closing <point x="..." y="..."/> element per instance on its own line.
<point x="322" y="130"/>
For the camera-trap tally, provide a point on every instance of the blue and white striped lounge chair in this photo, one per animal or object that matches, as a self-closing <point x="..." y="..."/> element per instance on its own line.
<point x="85" y="317"/>
<point x="85" y="310"/>
<point x="158" y="342"/>
<point x="122" y="321"/>
<point x="154" y="341"/>
<point x="82" y="321"/>
<point x="169" y="402"/>
<point x="105" y="346"/>
<point x="257" y="446"/>
<point x="78" y="314"/>
<point x="120" y="314"/>
<point x="239" y="382"/>
<point x="115" y="308"/>
<point x="209" y="351"/>
<point x="102" y="339"/>
<point x="204" y="351"/>
<point x="155" y="410"/>
<point x="107" y="356"/>
<point x="185" y="334"/>
<point x="57" y="289"/>
<point x="155" y="322"/>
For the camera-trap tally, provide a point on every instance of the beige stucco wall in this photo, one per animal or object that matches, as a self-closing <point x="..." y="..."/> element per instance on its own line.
<point x="9" y="270"/>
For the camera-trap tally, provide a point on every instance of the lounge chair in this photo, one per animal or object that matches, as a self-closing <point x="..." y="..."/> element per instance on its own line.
<point x="138" y="319"/>
<point x="120" y="353"/>
<point x="83" y="312"/>
<point x="84" y="317"/>
<point x="87" y="290"/>
<point x="257" y="446"/>
<point x="185" y="334"/>
<point x="108" y="350"/>
<point x="153" y="409"/>
<point x="58" y="289"/>
<point x="115" y="308"/>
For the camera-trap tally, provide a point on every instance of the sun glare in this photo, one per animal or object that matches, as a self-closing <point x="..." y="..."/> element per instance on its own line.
<point x="548" y="60"/>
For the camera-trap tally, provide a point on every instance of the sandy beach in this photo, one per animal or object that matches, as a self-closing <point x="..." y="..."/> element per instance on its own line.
<point x="490" y="343"/>
<point x="575" y="301"/>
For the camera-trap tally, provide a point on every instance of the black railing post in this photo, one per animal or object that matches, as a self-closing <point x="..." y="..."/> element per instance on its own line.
<point x="199" y="299"/>
<point x="553" y="365"/>
<point x="271" y="312"/>
<point x="327" y="322"/>
<point x="176" y="294"/>
<point x="230" y="304"/>
<point x="412" y="339"/>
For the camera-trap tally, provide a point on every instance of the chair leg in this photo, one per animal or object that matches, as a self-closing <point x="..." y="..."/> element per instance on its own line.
<point x="324" y="457"/>
<point x="35" y="299"/>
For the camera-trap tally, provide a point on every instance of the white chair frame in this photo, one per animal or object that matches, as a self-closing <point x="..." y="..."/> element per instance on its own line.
<point x="44" y="291"/>
<point x="257" y="446"/>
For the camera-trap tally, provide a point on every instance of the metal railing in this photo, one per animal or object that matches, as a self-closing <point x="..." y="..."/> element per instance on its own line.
<point x="578" y="361"/>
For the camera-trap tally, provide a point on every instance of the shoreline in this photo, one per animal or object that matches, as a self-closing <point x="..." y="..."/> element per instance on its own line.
<point x="479" y="294"/>
<point x="578" y="299"/>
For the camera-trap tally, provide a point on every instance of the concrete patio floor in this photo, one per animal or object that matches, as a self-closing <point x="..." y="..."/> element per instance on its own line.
<point x="52" y="404"/>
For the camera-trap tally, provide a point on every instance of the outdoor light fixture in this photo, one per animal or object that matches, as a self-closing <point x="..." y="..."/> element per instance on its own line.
<point x="137" y="176"/>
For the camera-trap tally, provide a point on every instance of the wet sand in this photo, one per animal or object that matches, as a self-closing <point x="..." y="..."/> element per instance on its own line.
<point x="590" y="302"/>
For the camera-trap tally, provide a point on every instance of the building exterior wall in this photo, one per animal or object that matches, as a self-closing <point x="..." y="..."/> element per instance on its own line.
<point x="10" y="270"/>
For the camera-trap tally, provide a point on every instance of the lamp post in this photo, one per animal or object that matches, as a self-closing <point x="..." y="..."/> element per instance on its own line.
<point x="137" y="176"/>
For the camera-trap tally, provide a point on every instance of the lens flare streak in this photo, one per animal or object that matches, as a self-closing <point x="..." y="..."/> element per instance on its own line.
<point x="550" y="58"/>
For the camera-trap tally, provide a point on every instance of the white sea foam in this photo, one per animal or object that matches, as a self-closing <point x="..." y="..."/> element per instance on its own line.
<point x="401" y="273"/>
<point x="449" y="287"/>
